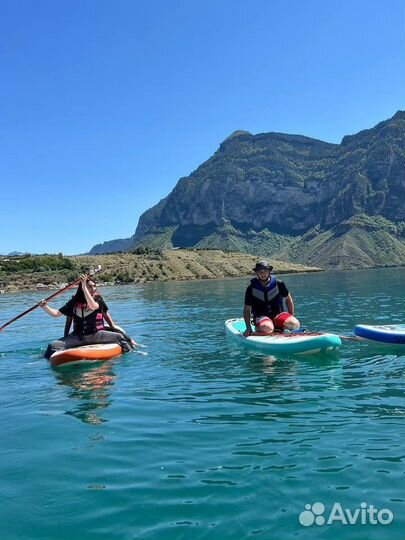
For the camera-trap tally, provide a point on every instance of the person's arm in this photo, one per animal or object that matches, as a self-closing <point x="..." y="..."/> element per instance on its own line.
<point x="247" y="315"/>
<point x="111" y="323"/>
<point x="287" y="298"/>
<point x="247" y="311"/>
<point x="91" y="303"/>
<point x="68" y="324"/>
<point x="108" y="319"/>
<point x="290" y="304"/>
<point x="106" y="313"/>
<point x="51" y="311"/>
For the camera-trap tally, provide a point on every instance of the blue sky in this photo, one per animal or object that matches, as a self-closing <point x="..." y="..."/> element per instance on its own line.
<point x="106" y="104"/>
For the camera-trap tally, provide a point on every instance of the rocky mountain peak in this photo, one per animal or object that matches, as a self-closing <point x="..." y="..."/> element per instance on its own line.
<point x="278" y="187"/>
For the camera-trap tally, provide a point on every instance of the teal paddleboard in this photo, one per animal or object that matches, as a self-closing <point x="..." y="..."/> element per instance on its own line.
<point x="287" y="343"/>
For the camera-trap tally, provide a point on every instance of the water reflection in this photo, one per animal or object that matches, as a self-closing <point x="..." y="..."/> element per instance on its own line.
<point x="89" y="388"/>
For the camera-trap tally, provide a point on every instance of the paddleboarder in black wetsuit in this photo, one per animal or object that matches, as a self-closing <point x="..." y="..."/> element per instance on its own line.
<point x="268" y="303"/>
<point x="88" y="311"/>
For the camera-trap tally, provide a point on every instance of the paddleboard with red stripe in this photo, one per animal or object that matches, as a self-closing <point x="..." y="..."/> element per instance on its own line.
<point x="279" y="342"/>
<point x="86" y="354"/>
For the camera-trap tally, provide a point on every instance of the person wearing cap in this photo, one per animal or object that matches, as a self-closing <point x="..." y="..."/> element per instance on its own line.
<point x="268" y="304"/>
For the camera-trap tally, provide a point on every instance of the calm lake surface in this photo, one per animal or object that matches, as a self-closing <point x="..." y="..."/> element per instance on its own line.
<point x="200" y="439"/>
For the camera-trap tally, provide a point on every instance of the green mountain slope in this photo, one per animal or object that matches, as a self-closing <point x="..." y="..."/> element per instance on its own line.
<point x="293" y="197"/>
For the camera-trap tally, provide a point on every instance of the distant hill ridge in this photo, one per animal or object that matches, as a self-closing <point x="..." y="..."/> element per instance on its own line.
<point x="290" y="197"/>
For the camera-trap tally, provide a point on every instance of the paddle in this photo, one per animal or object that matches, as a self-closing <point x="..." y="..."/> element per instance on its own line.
<point x="350" y="338"/>
<point x="305" y="332"/>
<point x="91" y="273"/>
<point x="344" y="338"/>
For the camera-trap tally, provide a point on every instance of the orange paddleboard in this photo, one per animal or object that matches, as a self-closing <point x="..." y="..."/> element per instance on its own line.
<point x="88" y="353"/>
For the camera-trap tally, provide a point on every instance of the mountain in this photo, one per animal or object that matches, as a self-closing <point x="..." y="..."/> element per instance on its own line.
<point x="293" y="198"/>
<point x="112" y="246"/>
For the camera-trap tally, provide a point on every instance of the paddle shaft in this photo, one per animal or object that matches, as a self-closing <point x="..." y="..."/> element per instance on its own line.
<point x="349" y="338"/>
<point x="46" y="299"/>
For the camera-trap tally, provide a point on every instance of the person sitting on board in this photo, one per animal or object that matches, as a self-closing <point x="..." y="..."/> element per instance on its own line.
<point x="268" y="303"/>
<point x="88" y="311"/>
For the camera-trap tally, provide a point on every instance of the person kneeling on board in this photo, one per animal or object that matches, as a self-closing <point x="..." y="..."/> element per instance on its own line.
<point x="88" y="311"/>
<point x="266" y="301"/>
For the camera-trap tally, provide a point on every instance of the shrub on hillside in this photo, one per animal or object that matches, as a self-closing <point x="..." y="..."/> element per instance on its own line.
<point x="38" y="263"/>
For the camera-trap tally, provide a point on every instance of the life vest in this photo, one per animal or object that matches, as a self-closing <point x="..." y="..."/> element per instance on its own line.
<point x="87" y="321"/>
<point x="267" y="300"/>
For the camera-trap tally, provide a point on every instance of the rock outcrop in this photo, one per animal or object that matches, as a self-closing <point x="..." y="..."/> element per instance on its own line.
<point x="291" y="197"/>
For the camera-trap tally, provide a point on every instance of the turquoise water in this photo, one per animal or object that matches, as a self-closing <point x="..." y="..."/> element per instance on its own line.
<point x="200" y="439"/>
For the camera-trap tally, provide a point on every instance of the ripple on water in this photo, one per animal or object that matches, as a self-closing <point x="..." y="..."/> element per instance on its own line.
<point x="200" y="438"/>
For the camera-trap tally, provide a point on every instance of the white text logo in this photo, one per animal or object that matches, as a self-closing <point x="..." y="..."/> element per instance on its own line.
<point x="366" y="514"/>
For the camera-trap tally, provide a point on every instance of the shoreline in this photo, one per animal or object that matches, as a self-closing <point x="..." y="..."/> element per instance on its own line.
<point x="158" y="267"/>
